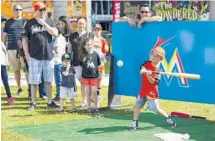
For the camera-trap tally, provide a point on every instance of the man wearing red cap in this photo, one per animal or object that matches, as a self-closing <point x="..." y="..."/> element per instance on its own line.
<point x="37" y="45"/>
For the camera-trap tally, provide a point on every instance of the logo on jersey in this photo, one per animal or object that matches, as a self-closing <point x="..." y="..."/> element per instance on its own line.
<point x="37" y="29"/>
<point x="173" y="65"/>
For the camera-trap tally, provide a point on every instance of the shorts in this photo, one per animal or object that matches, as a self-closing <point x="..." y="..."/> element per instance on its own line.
<point x="89" y="81"/>
<point x="14" y="61"/>
<point x="152" y="103"/>
<point x="67" y="92"/>
<point x="22" y="61"/>
<point x="39" y="68"/>
<point x="78" y="72"/>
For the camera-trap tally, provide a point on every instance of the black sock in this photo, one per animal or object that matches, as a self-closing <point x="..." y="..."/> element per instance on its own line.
<point x="98" y="91"/>
<point x="33" y="104"/>
<point x="29" y="90"/>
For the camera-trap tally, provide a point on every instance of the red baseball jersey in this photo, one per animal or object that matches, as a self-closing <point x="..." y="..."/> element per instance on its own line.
<point x="148" y="89"/>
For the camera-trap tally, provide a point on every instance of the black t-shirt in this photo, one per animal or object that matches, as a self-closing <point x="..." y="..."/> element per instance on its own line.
<point x="76" y="43"/>
<point x="68" y="81"/>
<point x="90" y="65"/>
<point x="13" y="29"/>
<point x="40" y="41"/>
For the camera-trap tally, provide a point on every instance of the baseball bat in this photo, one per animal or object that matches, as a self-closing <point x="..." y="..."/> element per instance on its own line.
<point x="184" y="115"/>
<point x="184" y="75"/>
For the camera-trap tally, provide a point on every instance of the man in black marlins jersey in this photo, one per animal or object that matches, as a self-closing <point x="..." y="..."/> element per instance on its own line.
<point x="39" y="32"/>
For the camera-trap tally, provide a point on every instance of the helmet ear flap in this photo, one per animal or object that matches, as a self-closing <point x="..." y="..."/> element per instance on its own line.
<point x="162" y="58"/>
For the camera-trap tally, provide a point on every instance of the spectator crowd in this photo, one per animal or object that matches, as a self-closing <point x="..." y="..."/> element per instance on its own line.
<point x="49" y="51"/>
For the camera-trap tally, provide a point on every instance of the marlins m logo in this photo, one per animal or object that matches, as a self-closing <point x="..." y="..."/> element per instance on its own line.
<point x="174" y="65"/>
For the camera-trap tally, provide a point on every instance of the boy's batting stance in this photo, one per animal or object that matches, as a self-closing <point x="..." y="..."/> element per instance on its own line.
<point x="149" y="88"/>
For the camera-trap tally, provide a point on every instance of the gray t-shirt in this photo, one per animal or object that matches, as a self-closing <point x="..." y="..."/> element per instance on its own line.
<point x="13" y="29"/>
<point x="68" y="81"/>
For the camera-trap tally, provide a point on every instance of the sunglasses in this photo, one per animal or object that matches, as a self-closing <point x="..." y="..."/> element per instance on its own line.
<point x="18" y="9"/>
<point x="43" y="9"/>
<point x="144" y="12"/>
<point x="97" y="29"/>
<point x="68" y="59"/>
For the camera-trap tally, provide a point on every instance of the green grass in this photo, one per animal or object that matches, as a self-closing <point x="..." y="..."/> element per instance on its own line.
<point x="17" y="115"/>
<point x="11" y="71"/>
<point x="116" y="128"/>
<point x="107" y="67"/>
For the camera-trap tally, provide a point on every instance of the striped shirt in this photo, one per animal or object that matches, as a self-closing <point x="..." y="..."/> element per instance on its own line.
<point x="13" y="29"/>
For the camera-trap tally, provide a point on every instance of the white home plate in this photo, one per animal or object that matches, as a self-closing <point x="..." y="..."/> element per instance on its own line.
<point x="172" y="136"/>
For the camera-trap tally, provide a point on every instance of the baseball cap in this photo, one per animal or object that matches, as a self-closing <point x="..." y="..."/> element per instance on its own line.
<point x="65" y="56"/>
<point x="38" y="6"/>
<point x="98" y="26"/>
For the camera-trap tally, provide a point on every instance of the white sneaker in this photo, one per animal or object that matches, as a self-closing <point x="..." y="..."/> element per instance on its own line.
<point x="171" y="122"/>
<point x="134" y="126"/>
<point x="99" y="99"/>
<point x="83" y="105"/>
<point x="44" y="97"/>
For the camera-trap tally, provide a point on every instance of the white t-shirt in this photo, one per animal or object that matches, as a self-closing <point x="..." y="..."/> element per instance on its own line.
<point x="59" y="49"/>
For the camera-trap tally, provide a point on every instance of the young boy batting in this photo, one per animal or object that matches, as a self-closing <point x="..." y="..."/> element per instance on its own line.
<point x="149" y="88"/>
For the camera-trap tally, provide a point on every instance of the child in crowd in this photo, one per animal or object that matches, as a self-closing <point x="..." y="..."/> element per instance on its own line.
<point x="100" y="46"/>
<point x="68" y="86"/>
<point x="90" y="62"/>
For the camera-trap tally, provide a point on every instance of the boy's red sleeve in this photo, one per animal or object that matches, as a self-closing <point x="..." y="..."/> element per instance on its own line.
<point x="105" y="47"/>
<point x="145" y="64"/>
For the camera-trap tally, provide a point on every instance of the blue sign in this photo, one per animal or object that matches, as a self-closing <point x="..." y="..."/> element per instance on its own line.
<point x="190" y="48"/>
